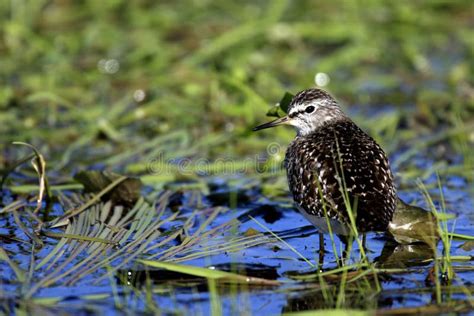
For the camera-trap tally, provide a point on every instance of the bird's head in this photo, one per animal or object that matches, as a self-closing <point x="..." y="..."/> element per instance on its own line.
<point x="309" y="110"/>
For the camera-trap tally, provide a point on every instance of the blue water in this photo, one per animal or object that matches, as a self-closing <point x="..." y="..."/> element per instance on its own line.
<point x="192" y="297"/>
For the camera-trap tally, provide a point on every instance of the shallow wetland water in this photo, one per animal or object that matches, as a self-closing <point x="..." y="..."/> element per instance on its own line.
<point x="167" y="94"/>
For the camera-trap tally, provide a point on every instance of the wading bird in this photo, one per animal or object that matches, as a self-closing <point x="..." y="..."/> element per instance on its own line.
<point x="335" y="170"/>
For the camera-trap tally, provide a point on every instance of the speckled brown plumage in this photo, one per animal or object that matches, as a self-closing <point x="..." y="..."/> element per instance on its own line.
<point x="332" y="158"/>
<point x="333" y="167"/>
<point x="319" y="164"/>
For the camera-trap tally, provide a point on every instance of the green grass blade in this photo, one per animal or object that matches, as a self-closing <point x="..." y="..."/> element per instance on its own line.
<point x="20" y="274"/>
<point x="221" y="276"/>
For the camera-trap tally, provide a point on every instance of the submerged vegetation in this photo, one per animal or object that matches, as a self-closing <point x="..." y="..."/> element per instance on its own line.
<point x="166" y="94"/>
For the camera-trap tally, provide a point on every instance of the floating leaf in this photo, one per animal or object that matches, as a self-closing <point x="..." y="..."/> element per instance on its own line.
<point x="127" y="192"/>
<point x="413" y="224"/>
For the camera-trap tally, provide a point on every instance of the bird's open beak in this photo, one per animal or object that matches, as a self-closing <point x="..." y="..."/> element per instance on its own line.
<point x="280" y="121"/>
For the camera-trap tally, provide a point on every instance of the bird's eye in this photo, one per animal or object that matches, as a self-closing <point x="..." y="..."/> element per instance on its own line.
<point x="309" y="109"/>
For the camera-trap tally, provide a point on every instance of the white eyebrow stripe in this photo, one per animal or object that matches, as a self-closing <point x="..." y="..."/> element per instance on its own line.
<point x="298" y="108"/>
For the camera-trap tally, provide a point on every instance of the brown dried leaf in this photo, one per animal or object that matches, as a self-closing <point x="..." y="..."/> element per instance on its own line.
<point x="125" y="193"/>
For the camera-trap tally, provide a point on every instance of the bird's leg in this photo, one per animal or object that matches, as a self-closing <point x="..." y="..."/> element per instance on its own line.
<point x="363" y="251"/>
<point x="347" y="241"/>
<point x="321" y="251"/>
<point x="346" y="253"/>
<point x="364" y="242"/>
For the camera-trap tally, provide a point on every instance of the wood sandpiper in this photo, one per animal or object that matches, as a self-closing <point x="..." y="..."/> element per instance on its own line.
<point x="333" y="168"/>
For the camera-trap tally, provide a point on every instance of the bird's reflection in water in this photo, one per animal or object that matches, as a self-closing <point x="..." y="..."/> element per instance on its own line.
<point x="362" y="293"/>
<point x="404" y="256"/>
<point x="357" y="295"/>
<point x="393" y="254"/>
